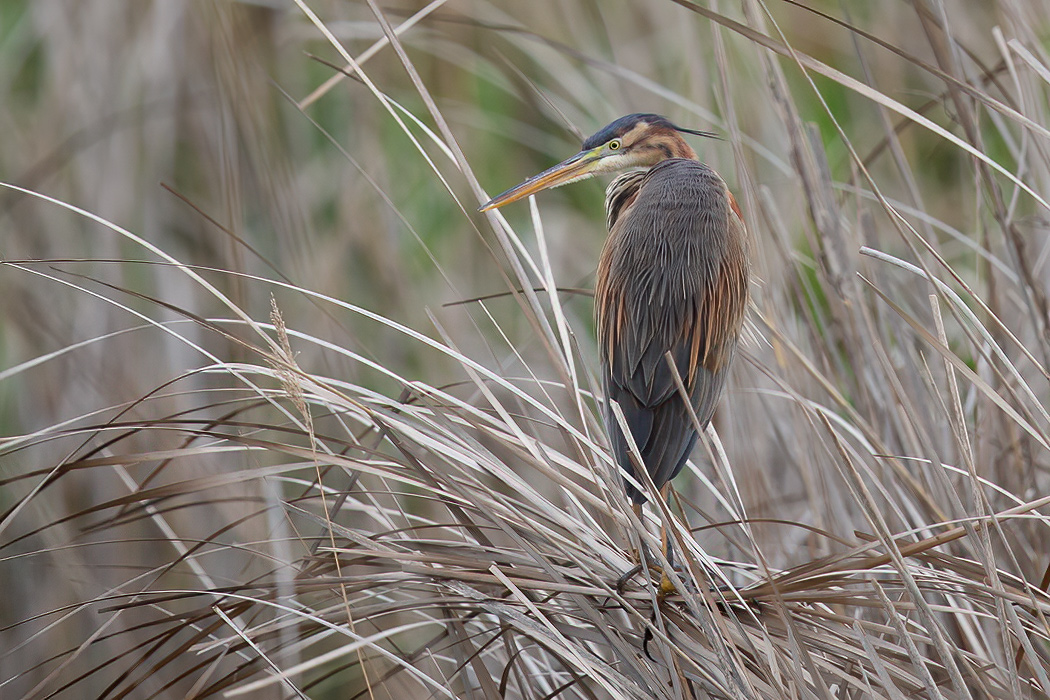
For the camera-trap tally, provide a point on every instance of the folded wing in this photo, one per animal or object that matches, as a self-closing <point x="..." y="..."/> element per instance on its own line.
<point x="672" y="281"/>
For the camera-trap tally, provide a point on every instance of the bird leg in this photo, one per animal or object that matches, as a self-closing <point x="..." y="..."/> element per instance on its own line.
<point x="666" y="587"/>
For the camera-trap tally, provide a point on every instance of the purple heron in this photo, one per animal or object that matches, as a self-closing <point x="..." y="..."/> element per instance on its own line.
<point x="672" y="283"/>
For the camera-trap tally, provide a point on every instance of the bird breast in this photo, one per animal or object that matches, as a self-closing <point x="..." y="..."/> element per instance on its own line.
<point x="669" y="229"/>
<point x="676" y="258"/>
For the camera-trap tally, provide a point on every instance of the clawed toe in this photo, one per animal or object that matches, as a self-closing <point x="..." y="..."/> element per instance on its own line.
<point x="621" y="583"/>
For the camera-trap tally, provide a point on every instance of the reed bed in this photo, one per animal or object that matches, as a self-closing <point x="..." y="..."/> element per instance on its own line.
<point x="282" y="416"/>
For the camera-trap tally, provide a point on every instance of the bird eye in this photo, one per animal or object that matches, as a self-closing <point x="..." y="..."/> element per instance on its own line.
<point x="614" y="145"/>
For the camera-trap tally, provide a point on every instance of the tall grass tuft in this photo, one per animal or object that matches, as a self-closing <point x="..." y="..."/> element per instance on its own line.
<point x="282" y="417"/>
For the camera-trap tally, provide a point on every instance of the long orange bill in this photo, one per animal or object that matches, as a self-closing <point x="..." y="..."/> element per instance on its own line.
<point x="575" y="168"/>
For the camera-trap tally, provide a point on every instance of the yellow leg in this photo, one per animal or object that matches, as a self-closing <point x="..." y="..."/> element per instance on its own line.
<point x="666" y="587"/>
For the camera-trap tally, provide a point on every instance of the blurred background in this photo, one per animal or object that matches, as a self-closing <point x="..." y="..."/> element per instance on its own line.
<point x="223" y="135"/>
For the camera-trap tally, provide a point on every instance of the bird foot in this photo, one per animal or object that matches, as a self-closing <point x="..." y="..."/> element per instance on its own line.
<point x="663" y="589"/>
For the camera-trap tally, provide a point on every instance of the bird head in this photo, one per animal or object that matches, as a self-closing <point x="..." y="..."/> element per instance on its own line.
<point x="634" y="141"/>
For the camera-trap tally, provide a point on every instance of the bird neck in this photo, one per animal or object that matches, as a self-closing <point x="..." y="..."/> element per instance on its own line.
<point x="681" y="149"/>
<point x="665" y="145"/>
<point x="620" y="194"/>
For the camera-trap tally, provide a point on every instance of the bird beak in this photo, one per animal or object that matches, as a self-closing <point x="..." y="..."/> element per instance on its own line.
<point x="580" y="166"/>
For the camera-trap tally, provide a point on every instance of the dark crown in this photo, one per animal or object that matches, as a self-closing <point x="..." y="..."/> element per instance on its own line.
<point x="624" y="124"/>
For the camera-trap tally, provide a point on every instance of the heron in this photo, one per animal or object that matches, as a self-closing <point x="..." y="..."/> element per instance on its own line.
<point x="670" y="293"/>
